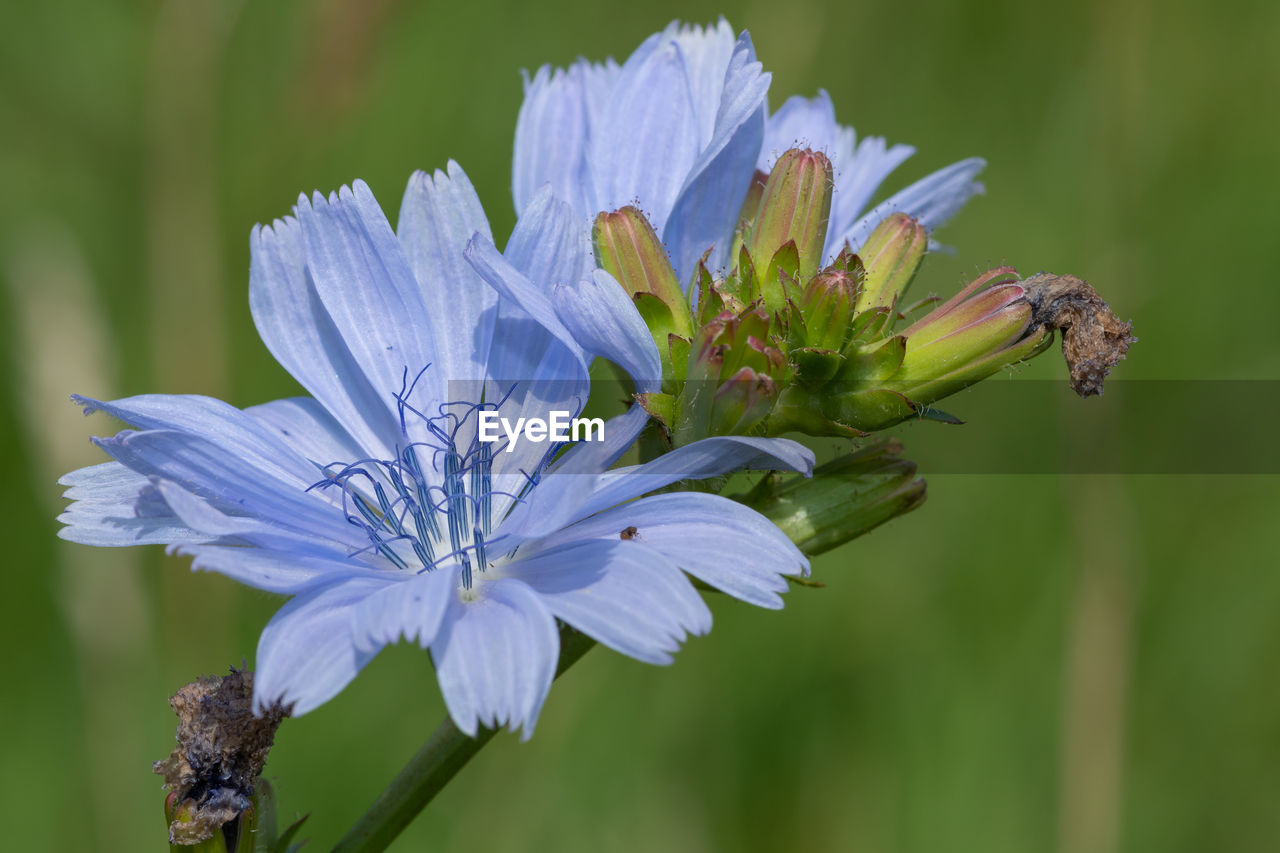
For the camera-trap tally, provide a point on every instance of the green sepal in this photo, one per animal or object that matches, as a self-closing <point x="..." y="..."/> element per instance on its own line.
<point x="748" y="289"/>
<point x="661" y="407"/>
<point x="778" y="282"/>
<point x="815" y="366"/>
<point x="870" y="410"/>
<point x="657" y="316"/>
<point x="874" y="362"/>
<point x="678" y="353"/>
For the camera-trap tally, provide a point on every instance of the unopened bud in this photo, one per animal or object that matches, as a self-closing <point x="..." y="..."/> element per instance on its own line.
<point x="844" y="499"/>
<point x="827" y="308"/>
<point x="627" y="247"/>
<point x="795" y="207"/>
<point x="891" y="255"/>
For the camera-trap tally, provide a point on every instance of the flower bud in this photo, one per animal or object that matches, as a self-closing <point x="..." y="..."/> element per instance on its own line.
<point x="891" y="255"/>
<point x="827" y="308"/>
<point x="975" y="333"/>
<point x="627" y="247"/>
<point x="741" y="402"/>
<point x="844" y="499"/>
<point x="795" y="207"/>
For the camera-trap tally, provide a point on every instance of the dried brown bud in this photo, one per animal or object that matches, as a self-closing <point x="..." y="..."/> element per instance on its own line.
<point x="221" y="749"/>
<point x="1093" y="339"/>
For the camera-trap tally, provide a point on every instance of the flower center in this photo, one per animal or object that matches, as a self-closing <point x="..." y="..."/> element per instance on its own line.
<point x="432" y="504"/>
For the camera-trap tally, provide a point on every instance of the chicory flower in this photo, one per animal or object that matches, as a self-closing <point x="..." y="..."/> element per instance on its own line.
<point x="375" y="504"/>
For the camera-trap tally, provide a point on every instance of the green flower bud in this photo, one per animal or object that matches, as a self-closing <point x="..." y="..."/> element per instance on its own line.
<point x="795" y="207"/>
<point x="844" y="499"/>
<point x="627" y="247"/>
<point x="827" y="308"/>
<point x="891" y="255"/>
<point x="742" y="402"/>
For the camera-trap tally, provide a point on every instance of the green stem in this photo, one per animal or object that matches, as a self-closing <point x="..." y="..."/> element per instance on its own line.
<point x="446" y="752"/>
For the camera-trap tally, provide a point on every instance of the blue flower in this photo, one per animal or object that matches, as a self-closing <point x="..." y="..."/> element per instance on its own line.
<point x="680" y="128"/>
<point x="677" y="128"/>
<point x="373" y="502"/>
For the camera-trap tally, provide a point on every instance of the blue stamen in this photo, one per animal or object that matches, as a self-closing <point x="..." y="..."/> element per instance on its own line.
<point x="397" y="501"/>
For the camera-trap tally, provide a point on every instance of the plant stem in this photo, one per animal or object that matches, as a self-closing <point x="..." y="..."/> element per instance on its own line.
<point x="445" y="753"/>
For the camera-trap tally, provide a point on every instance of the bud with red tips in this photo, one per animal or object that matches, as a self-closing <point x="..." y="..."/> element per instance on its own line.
<point x="892" y="255"/>
<point x="794" y="208"/>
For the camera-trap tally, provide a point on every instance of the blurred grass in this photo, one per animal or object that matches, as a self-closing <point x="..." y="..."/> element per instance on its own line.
<point x="1027" y="663"/>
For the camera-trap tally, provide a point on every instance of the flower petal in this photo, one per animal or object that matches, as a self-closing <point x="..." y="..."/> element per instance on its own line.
<point x="214" y="421"/>
<point x="605" y="322"/>
<point x="649" y="138"/>
<point x="307" y="653"/>
<point x="631" y="599"/>
<point x="710" y="201"/>
<point x="285" y="572"/>
<point x="496" y="657"/>
<point x="304" y="424"/>
<point x="411" y="609"/>
<point x="113" y="506"/>
<point x="231" y="483"/>
<point x="438" y="216"/>
<point x="551" y="138"/>
<point x="717" y="540"/>
<point x="299" y="332"/>
<point x="932" y="200"/>
<point x="548" y="247"/>
<point x="364" y="280"/>
<point x="710" y="457"/>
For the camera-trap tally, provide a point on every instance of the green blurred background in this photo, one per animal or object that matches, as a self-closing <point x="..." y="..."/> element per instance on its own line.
<point x="1065" y="663"/>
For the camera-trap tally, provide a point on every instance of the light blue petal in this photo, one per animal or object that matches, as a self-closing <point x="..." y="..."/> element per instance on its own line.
<point x="932" y="200"/>
<point x="717" y="540"/>
<point x="604" y="321"/>
<point x="620" y="432"/>
<point x="199" y="515"/>
<point x="649" y="140"/>
<point x="231" y="483"/>
<point x="576" y="487"/>
<point x="283" y="572"/>
<point x="548" y="246"/>
<point x="707" y="53"/>
<point x="370" y="292"/>
<point x="114" y="507"/>
<point x="552" y="138"/>
<point x="557" y="498"/>
<point x="496" y="657"/>
<point x="306" y="426"/>
<point x="710" y="201"/>
<point x="300" y="333"/>
<point x="805" y="123"/>
<point x="710" y="457"/>
<point x="535" y="358"/>
<point x="857" y="179"/>
<point x="438" y="216"/>
<point x="631" y="599"/>
<point x="412" y="609"/>
<point x="216" y="422"/>
<point x="307" y="653"/>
